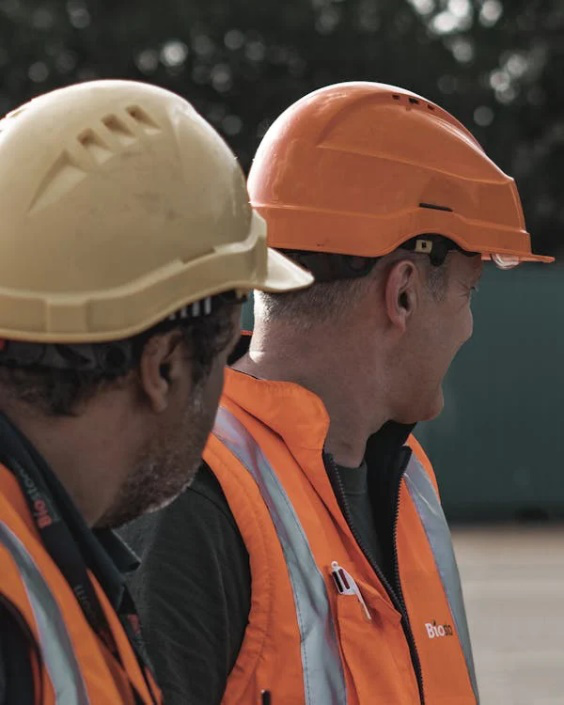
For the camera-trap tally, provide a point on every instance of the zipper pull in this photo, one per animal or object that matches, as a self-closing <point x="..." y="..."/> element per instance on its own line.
<point x="346" y="585"/>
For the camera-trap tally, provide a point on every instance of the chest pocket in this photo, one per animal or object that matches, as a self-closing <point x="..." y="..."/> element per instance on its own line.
<point x="374" y="648"/>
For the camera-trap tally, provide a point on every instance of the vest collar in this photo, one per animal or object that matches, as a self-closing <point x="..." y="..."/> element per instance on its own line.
<point x="296" y="414"/>
<point x="300" y="418"/>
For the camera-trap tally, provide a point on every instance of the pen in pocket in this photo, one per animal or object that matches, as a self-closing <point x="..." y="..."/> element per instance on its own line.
<point x="346" y="585"/>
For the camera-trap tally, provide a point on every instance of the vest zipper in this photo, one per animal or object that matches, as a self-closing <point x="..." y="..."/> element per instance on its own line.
<point x="396" y="596"/>
<point x="407" y="626"/>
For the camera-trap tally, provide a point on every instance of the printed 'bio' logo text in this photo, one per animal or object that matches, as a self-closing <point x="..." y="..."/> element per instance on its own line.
<point x="435" y="631"/>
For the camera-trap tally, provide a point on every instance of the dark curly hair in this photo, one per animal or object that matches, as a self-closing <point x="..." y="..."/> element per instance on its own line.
<point x="59" y="392"/>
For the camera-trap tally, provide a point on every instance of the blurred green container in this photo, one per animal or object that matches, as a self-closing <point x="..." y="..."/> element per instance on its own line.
<point x="498" y="447"/>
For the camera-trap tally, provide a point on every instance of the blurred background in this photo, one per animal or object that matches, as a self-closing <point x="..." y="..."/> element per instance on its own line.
<point x="497" y="65"/>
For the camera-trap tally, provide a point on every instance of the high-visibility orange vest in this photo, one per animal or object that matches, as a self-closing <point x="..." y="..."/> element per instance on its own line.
<point x="323" y="630"/>
<point x="70" y="663"/>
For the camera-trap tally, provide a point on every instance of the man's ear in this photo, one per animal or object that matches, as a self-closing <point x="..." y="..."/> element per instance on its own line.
<point x="163" y="363"/>
<point x="401" y="293"/>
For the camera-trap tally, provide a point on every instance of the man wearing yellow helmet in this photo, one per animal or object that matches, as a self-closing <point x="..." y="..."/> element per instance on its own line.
<point x="126" y="249"/>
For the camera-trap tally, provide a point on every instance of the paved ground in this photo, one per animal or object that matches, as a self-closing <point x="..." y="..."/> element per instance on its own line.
<point x="513" y="581"/>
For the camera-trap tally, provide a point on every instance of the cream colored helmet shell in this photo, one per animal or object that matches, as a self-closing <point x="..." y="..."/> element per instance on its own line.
<point x="120" y="205"/>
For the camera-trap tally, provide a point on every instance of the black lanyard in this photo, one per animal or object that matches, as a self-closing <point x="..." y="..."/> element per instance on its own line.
<point x="63" y="549"/>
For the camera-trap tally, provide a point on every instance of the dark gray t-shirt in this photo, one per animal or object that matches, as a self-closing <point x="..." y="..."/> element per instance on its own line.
<point x="355" y="486"/>
<point x="193" y="589"/>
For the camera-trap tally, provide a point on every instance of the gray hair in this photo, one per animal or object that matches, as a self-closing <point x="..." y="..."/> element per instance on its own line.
<point x="324" y="302"/>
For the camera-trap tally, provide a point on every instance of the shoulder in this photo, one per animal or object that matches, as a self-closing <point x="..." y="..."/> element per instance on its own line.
<point x="205" y="489"/>
<point x="201" y="512"/>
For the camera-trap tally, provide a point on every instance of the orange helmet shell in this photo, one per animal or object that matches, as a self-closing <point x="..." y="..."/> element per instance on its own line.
<point x="359" y="168"/>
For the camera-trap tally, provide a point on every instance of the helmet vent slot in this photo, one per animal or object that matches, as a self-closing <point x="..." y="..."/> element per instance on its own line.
<point x="412" y="100"/>
<point x="94" y="145"/>
<point x="435" y="207"/>
<point x="119" y="129"/>
<point x="63" y="175"/>
<point x="142" y="118"/>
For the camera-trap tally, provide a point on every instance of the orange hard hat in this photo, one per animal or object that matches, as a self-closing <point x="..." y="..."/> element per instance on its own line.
<point x="361" y="168"/>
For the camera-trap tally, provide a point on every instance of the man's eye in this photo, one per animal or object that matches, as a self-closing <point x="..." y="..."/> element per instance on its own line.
<point x="473" y="290"/>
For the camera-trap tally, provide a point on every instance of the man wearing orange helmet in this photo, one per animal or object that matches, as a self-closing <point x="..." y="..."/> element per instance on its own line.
<point x="319" y="565"/>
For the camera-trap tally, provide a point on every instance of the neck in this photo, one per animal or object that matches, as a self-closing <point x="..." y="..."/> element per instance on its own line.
<point x="85" y="452"/>
<point x="335" y="370"/>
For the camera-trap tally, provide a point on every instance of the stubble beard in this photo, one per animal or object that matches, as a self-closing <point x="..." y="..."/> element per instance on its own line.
<point x="167" y="465"/>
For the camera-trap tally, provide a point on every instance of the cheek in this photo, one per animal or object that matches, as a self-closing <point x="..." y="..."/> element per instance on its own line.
<point x="200" y="413"/>
<point x="211" y="391"/>
<point x="469" y="328"/>
<point x="461" y="326"/>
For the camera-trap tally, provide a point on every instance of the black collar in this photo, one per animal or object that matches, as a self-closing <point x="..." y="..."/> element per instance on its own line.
<point x="105" y="554"/>
<point x="384" y="445"/>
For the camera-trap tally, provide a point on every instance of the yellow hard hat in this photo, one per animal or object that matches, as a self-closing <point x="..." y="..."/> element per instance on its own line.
<point x="120" y="205"/>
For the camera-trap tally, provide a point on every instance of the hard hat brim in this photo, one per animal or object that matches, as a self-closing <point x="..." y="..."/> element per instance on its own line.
<point x="283" y="275"/>
<point x="291" y="228"/>
<point x="101" y="316"/>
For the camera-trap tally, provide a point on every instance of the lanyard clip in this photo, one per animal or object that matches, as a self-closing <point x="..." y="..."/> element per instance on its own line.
<point x="346" y="585"/>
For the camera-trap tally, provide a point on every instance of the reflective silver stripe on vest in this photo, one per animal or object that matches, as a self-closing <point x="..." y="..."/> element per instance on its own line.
<point x="324" y="680"/>
<point x="434" y="522"/>
<point x="54" y="641"/>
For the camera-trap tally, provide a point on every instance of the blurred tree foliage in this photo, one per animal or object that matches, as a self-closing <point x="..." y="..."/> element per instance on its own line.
<point x="498" y="65"/>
